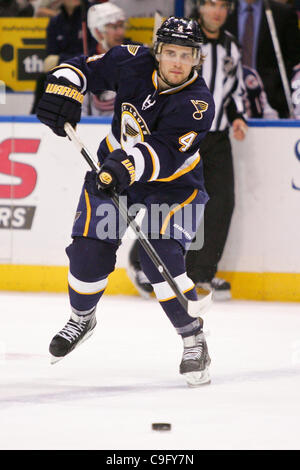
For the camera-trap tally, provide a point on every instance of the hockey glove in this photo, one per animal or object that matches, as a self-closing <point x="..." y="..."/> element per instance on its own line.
<point x="60" y="103"/>
<point x="117" y="172"/>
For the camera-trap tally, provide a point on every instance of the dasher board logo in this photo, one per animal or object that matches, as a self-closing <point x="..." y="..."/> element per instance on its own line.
<point x="16" y="217"/>
<point x="30" y="63"/>
<point x="296" y="185"/>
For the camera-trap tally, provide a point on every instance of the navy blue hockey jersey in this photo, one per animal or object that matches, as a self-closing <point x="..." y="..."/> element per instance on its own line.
<point x="162" y="130"/>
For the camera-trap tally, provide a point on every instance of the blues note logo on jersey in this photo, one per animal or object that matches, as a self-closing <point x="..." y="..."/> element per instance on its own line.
<point x="133" y="127"/>
<point x="201" y="107"/>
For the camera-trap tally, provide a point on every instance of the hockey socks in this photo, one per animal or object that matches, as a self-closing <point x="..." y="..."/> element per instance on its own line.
<point x="91" y="261"/>
<point x="171" y="253"/>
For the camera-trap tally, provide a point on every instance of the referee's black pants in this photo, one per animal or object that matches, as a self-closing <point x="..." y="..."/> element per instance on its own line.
<point x="216" y="155"/>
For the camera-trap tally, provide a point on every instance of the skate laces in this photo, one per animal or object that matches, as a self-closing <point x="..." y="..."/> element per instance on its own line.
<point x="193" y="352"/>
<point x="72" y="330"/>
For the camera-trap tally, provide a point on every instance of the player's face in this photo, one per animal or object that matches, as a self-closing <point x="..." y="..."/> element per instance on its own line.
<point x="114" y="33"/>
<point x="213" y="15"/>
<point x="175" y="63"/>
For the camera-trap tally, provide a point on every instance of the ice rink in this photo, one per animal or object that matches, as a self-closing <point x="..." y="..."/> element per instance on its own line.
<point x="106" y="394"/>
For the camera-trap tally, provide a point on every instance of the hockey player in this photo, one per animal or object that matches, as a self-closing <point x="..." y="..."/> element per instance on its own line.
<point x="163" y="109"/>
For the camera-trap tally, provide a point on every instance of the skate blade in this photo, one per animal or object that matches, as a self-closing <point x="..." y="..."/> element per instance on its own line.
<point x="197" y="378"/>
<point x="55" y="359"/>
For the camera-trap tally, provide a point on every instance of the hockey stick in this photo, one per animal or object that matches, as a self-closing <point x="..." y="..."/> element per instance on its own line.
<point x="194" y="308"/>
<point x="284" y="79"/>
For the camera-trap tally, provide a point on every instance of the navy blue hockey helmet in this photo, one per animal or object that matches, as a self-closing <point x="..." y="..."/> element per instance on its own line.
<point x="180" y="31"/>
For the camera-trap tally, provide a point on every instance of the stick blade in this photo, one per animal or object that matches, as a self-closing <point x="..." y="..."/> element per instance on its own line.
<point x="196" y="308"/>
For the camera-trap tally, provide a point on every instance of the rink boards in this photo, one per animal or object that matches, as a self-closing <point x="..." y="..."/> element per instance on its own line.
<point x="41" y="177"/>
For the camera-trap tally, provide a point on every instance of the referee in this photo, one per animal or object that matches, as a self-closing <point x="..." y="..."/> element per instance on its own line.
<point x="222" y="72"/>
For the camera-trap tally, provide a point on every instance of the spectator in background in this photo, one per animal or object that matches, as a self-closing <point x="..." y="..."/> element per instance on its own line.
<point x="249" y="24"/>
<point x="287" y="2"/>
<point x="64" y="33"/>
<point x="106" y="23"/>
<point x="15" y="8"/>
<point x="64" y="41"/>
<point x="256" y="101"/>
<point x="47" y="8"/>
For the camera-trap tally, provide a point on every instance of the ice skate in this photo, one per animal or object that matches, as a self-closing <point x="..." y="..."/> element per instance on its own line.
<point x="77" y="330"/>
<point x="221" y="289"/>
<point x="140" y="281"/>
<point x="195" y="360"/>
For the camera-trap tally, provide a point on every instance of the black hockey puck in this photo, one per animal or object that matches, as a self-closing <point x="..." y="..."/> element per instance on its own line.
<point x="161" y="426"/>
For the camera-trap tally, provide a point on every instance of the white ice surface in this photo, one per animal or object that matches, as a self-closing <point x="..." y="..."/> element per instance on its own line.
<point x="106" y="394"/>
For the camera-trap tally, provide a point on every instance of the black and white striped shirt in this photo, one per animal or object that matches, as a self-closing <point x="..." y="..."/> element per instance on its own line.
<point x="223" y="74"/>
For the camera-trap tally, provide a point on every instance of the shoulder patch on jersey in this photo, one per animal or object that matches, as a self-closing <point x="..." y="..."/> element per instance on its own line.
<point x="201" y="107"/>
<point x="132" y="49"/>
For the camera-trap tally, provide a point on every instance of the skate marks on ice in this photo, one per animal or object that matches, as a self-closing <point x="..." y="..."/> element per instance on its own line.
<point x="35" y="394"/>
<point x="69" y="393"/>
<point x="240" y="377"/>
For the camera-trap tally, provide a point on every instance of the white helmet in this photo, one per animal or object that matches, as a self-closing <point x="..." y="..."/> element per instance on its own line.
<point x="102" y="14"/>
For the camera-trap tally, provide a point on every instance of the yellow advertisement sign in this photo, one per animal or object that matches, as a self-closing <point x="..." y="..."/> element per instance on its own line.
<point x="22" y="51"/>
<point x="23" y="43"/>
<point x="140" y="30"/>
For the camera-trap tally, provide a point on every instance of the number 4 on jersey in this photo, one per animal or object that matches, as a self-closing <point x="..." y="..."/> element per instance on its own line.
<point x="186" y="140"/>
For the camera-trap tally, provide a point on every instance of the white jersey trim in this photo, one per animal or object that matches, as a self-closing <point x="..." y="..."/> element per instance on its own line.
<point x="139" y="162"/>
<point x="155" y="161"/>
<point x="78" y="78"/>
<point x="82" y="287"/>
